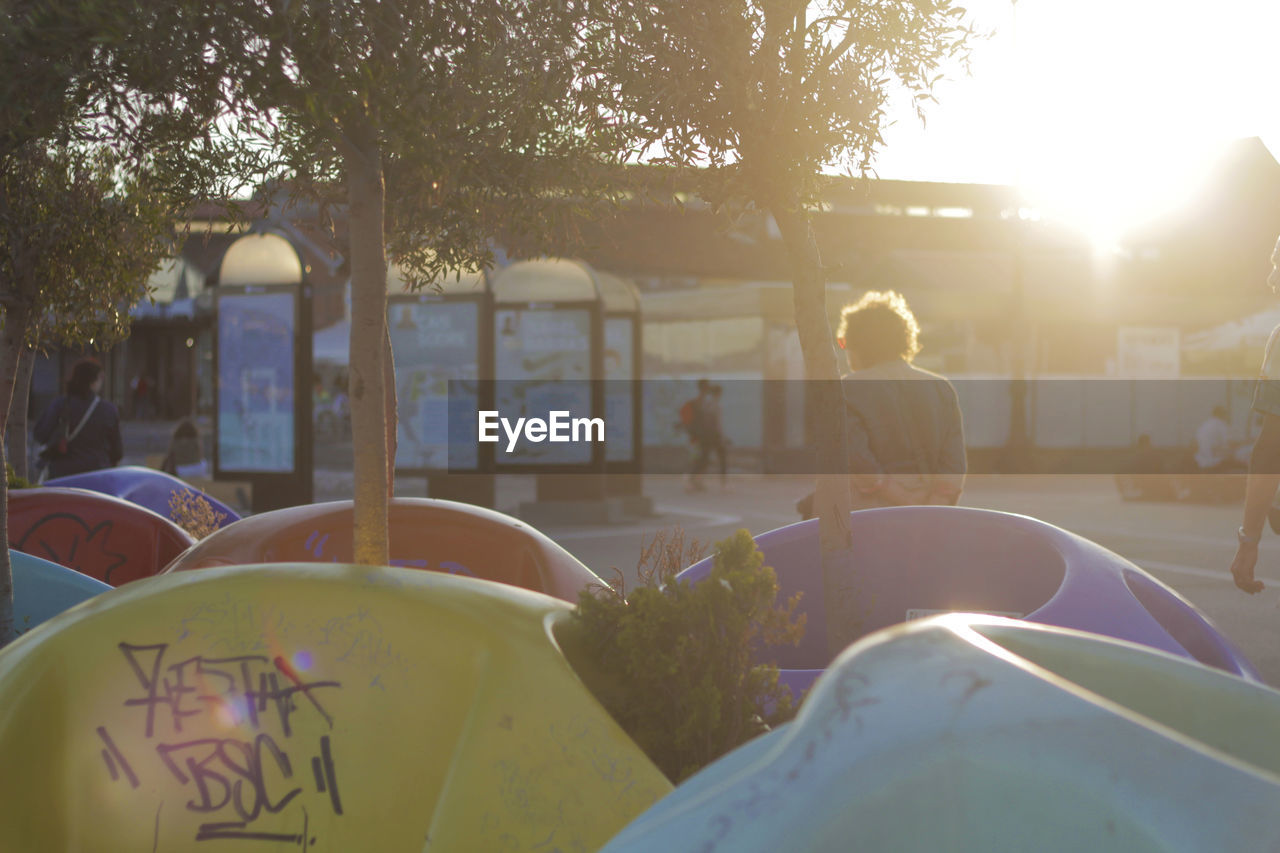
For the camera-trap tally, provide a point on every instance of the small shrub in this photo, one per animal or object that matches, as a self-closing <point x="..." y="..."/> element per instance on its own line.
<point x="673" y="663"/>
<point x="661" y="559"/>
<point x="193" y="513"/>
<point x="16" y="482"/>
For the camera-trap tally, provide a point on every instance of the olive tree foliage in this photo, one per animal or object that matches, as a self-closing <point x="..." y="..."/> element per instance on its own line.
<point x="434" y="124"/>
<point x="91" y="76"/>
<point x="758" y="99"/>
<point x="77" y="245"/>
<point x="44" y="95"/>
<point x="93" y="174"/>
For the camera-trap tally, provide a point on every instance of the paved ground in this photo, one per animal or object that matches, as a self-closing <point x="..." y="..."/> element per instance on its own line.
<point x="1188" y="546"/>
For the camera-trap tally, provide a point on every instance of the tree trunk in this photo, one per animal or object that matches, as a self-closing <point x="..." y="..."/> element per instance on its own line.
<point x="11" y="350"/>
<point x="829" y="431"/>
<point x="18" y="429"/>
<point x="369" y="335"/>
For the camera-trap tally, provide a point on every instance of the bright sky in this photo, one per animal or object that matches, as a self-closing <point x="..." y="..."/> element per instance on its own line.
<point x="1102" y="109"/>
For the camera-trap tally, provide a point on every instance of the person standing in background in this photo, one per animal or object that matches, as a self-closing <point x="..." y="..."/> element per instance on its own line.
<point x="185" y="457"/>
<point x="1213" y="444"/>
<point x="1215" y="456"/>
<point x="80" y="430"/>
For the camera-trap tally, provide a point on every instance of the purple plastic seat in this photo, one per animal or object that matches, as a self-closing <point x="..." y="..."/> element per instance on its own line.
<point x="916" y="561"/>
<point x="145" y="487"/>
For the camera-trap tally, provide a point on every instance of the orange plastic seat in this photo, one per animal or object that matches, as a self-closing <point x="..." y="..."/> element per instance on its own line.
<point x="98" y="535"/>
<point x="440" y="536"/>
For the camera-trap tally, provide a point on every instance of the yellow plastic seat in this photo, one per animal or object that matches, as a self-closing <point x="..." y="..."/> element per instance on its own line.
<point x="335" y="708"/>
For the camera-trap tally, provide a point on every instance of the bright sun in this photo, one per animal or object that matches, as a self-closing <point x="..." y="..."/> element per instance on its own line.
<point x="1119" y="111"/>
<point x="1106" y="112"/>
<point x="1106" y="192"/>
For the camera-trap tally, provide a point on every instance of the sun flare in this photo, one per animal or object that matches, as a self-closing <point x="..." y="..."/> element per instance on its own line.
<point x="1106" y="112"/>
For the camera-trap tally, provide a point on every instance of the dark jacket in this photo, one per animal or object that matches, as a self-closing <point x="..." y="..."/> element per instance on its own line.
<point x="97" y="445"/>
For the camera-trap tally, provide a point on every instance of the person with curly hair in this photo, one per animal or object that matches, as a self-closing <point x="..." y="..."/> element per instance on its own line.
<point x="906" y="432"/>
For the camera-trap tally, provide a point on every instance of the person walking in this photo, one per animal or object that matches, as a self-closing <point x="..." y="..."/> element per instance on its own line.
<point x="1264" y="459"/>
<point x="712" y="440"/>
<point x="693" y="422"/>
<point x="80" y="431"/>
<point x="906" y="432"/>
<point x="143" y="389"/>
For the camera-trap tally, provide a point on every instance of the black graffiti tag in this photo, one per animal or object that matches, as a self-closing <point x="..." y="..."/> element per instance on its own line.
<point x="66" y="539"/>
<point x="227" y="777"/>
<point x="243" y="686"/>
<point x="226" y="770"/>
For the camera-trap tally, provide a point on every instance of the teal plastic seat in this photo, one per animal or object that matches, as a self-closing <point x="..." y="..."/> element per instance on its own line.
<point x="42" y="590"/>
<point x="975" y="734"/>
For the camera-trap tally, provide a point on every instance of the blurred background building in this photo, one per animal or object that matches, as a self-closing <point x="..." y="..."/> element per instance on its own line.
<point x="1002" y="293"/>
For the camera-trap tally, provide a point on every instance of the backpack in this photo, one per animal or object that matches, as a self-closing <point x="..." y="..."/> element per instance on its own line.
<point x="56" y="448"/>
<point x="689" y="414"/>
